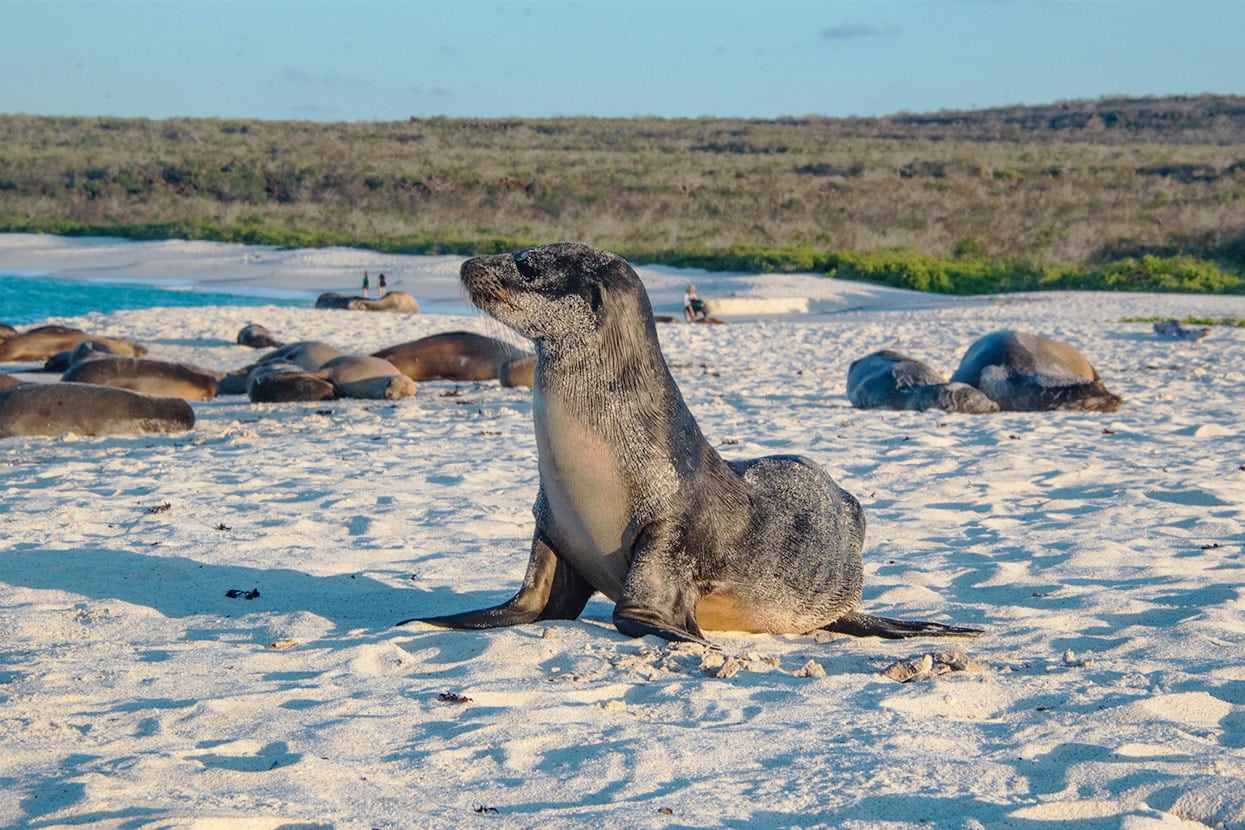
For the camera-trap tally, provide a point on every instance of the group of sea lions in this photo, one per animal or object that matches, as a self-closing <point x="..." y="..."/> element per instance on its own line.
<point x="314" y="370"/>
<point x="634" y="502"/>
<point x="77" y="404"/>
<point x="397" y="301"/>
<point x="1004" y="371"/>
<point x="139" y="388"/>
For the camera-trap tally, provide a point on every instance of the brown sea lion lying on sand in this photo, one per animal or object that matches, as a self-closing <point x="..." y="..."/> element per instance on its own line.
<point x="140" y="374"/>
<point x="257" y="337"/>
<point x="1025" y="372"/>
<point x="398" y="301"/>
<point x="59" y="408"/>
<point x="43" y="342"/>
<point x="453" y="355"/>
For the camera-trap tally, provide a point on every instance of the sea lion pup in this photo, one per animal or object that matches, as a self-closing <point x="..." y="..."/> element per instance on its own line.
<point x="44" y="341"/>
<point x="358" y="376"/>
<point x="634" y="502"/>
<point x="889" y="380"/>
<point x="1024" y="372"/>
<point x="58" y="408"/>
<point x="398" y="301"/>
<point x="279" y="381"/>
<point x="7" y="381"/>
<point x="140" y="374"/>
<point x="257" y="337"/>
<point x="451" y="355"/>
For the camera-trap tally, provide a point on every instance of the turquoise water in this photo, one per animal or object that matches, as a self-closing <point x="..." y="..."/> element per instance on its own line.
<point x="26" y="299"/>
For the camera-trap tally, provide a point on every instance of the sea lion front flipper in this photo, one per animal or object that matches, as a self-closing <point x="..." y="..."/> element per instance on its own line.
<point x="654" y="600"/>
<point x="867" y="625"/>
<point x="551" y="590"/>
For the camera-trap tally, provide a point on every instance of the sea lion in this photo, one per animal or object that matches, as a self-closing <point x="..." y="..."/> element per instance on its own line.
<point x="308" y="354"/>
<point x="44" y="341"/>
<point x="6" y="331"/>
<point x="521" y="371"/>
<point x="398" y="301"/>
<point x="58" y="408"/>
<point x="331" y="299"/>
<point x="257" y="337"/>
<point x="7" y="381"/>
<point x="1178" y="331"/>
<point x="889" y="380"/>
<point x="280" y="381"/>
<point x="358" y="376"/>
<point x="451" y="355"/>
<point x="86" y="350"/>
<point x="634" y="502"/>
<point x="1025" y="372"/>
<point x="140" y="374"/>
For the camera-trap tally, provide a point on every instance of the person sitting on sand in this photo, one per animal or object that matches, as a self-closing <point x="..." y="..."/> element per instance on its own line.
<point x="693" y="306"/>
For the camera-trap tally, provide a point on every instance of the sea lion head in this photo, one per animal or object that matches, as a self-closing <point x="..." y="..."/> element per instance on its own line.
<point x="556" y="292"/>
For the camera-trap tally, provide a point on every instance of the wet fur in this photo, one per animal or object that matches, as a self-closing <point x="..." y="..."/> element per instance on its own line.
<point x="634" y="502"/>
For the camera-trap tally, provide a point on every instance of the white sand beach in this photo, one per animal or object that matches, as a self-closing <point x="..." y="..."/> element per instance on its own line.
<point x="1102" y="553"/>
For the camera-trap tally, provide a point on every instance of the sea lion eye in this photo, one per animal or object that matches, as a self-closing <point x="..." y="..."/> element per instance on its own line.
<point x="527" y="269"/>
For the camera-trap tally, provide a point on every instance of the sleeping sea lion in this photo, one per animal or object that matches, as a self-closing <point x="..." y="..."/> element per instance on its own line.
<point x="1025" y="372"/>
<point x="357" y="376"/>
<point x="308" y="354"/>
<point x="257" y="337"/>
<point x="140" y="374"/>
<point x="280" y="381"/>
<point x="86" y="350"/>
<point x="634" y="502"/>
<point x="398" y="301"/>
<point x="44" y="341"/>
<point x="58" y="408"/>
<point x="451" y="355"/>
<point x="889" y="380"/>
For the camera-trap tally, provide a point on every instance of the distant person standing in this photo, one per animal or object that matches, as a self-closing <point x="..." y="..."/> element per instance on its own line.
<point x="381" y="287"/>
<point x="366" y="286"/>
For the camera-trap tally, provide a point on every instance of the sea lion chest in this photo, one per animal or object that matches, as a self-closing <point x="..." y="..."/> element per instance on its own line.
<point x="588" y="497"/>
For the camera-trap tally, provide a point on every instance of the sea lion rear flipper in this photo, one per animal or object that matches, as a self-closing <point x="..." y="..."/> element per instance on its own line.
<point x="551" y="590"/>
<point x="867" y="625"/>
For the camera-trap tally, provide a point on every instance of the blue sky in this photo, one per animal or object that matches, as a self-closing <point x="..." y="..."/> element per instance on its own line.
<point x="365" y="60"/>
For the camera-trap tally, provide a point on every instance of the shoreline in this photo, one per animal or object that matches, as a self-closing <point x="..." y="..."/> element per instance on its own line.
<point x="244" y="270"/>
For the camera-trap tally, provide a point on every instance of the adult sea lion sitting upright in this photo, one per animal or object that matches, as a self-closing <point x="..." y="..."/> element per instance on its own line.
<point x="634" y="502"/>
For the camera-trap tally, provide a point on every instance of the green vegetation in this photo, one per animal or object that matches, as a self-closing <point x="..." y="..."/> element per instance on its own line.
<point x="1123" y="194"/>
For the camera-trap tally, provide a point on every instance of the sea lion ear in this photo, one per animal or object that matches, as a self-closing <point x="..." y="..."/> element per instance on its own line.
<point x="597" y="296"/>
